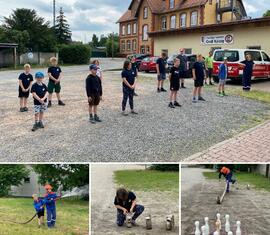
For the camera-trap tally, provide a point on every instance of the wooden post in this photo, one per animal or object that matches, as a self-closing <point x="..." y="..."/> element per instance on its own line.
<point x="15" y="57"/>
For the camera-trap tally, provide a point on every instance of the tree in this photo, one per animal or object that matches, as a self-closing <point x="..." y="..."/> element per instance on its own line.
<point x="102" y="41"/>
<point x="266" y="14"/>
<point x="113" y="40"/>
<point x="11" y="175"/>
<point x="41" y="36"/>
<point x="62" y="30"/>
<point x="94" y="41"/>
<point x="69" y="176"/>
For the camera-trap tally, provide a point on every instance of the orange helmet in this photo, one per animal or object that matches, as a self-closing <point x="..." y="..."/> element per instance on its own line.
<point x="48" y="186"/>
<point x="225" y="170"/>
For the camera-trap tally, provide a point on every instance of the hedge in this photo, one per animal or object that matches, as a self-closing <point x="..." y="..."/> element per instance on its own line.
<point x="74" y="54"/>
<point x="165" y="167"/>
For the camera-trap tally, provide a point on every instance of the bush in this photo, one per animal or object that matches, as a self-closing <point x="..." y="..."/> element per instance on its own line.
<point x="74" y="54"/>
<point x="165" y="167"/>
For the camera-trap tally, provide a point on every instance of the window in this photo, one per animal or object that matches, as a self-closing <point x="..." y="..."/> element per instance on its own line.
<point x="265" y="57"/>
<point x="194" y="18"/>
<point x="123" y="46"/>
<point x="254" y="47"/>
<point x="164" y="23"/>
<point x="145" y="13"/>
<point x="255" y="55"/>
<point x="183" y="20"/>
<point x="171" y="4"/>
<point x="123" y="30"/>
<point x="134" y="45"/>
<point x="143" y="49"/>
<point x="188" y="50"/>
<point x="134" y="28"/>
<point x="27" y="180"/>
<point x="128" y="45"/>
<point x="173" y="22"/>
<point x="129" y="29"/>
<point x="232" y="56"/>
<point x="145" y="32"/>
<point x="147" y="50"/>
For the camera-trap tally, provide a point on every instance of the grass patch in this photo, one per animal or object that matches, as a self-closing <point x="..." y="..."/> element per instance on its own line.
<point x="148" y="180"/>
<point x="256" y="180"/>
<point x="72" y="217"/>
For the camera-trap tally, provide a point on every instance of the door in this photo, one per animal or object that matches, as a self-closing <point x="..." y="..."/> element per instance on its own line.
<point x="266" y="60"/>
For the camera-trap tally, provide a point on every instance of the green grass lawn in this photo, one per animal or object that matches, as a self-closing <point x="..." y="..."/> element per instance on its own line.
<point x="72" y="217"/>
<point x="148" y="180"/>
<point x="256" y="180"/>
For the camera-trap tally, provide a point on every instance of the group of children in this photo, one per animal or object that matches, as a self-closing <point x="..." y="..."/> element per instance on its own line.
<point x="49" y="201"/>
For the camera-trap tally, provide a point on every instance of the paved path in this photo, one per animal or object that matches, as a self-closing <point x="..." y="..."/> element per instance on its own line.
<point x="103" y="213"/>
<point x="250" y="146"/>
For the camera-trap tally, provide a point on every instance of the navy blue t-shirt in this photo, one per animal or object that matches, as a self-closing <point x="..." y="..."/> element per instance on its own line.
<point x="248" y="68"/>
<point x="162" y="65"/>
<point x="55" y="71"/>
<point x="199" y="70"/>
<point x="26" y="79"/>
<point x="175" y="75"/>
<point x="130" y="76"/>
<point x="40" y="90"/>
<point x="126" y="204"/>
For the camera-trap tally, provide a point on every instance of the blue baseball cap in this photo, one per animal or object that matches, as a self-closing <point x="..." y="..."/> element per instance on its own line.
<point x="93" y="66"/>
<point x="39" y="75"/>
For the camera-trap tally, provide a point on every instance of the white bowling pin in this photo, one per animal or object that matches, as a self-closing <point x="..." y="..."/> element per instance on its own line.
<point x="227" y="224"/>
<point x="238" y="230"/>
<point x="219" y="221"/>
<point x="197" y="229"/>
<point x="230" y="233"/>
<point x="203" y="230"/>
<point x="207" y="229"/>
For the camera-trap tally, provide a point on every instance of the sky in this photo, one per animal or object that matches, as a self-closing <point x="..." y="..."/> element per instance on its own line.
<point x="87" y="17"/>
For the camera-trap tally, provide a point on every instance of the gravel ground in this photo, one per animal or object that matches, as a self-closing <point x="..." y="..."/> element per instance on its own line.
<point x="103" y="212"/>
<point x="251" y="207"/>
<point x="156" y="134"/>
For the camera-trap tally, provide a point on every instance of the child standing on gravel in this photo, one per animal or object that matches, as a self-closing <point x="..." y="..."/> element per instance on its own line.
<point x="40" y="93"/>
<point x="129" y="84"/>
<point x="55" y="76"/>
<point x="94" y="93"/>
<point x="25" y="82"/>
<point x="222" y="76"/>
<point x="39" y="207"/>
<point x="125" y="203"/>
<point x="174" y="78"/>
<point x="99" y="72"/>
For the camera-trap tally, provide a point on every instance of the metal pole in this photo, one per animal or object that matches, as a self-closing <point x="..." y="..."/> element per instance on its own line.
<point x="112" y="45"/>
<point x="54" y="13"/>
<point x="15" y="57"/>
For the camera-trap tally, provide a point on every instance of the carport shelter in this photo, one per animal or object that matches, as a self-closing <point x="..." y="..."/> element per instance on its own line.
<point x="8" y="54"/>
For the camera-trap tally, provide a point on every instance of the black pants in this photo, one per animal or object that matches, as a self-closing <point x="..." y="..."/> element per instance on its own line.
<point x="128" y="94"/>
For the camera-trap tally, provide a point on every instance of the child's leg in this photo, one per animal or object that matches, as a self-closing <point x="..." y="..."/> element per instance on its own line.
<point x="161" y="83"/>
<point x="130" y="97"/>
<point x="223" y="88"/>
<point x="175" y="96"/>
<point x="50" y="96"/>
<point x="39" y="222"/>
<point x="90" y="109"/>
<point x="25" y="102"/>
<point x="21" y="102"/>
<point x="58" y="96"/>
<point x="49" y="218"/>
<point x="158" y="83"/>
<point x="138" y="211"/>
<point x="124" y="101"/>
<point x="53" y="216"/>
<point x="42" y="220"/>
<point x="195" y="91"/>
<point x="41" y="114"/>
<point x="120" y="220"/>
<point x="219" y="88"/>
<point x="36" y="117"/>
<point x="95" y="109"/>
<point x="171" y="96"/>
<point x="199" y="91"/>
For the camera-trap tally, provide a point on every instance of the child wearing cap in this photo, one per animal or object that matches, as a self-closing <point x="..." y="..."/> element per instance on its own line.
<point x="39" y="207"/>
<point x="25" y="82"/>
<point x="40" y="93"/>
<point x="94" y="93"/>
<point x="222" y="76"/>
<point x="55" y="76"/>
<point x="174" y="78"/>
<point x="50" y="202"/>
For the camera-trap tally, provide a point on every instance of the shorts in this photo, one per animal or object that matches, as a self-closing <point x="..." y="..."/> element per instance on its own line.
<point x="209" y="72"/>
<point x="40" y="213"/>
<point x="161" y="77"/>
<point x="40" y="108"/>
<point x="222" y="81"/>
<point x="175" y="86"/>
<point x="199" y="83"/>
<point x="95" y="100"/>
<point x="23" y="94"/>
<point x="54" y="87"/>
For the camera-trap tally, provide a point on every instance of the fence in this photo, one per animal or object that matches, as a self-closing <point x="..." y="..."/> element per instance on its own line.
<point x="36" y="57"/>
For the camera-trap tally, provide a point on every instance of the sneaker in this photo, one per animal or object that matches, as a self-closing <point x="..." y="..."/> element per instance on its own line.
<point x="158" y="90"/>
<point x="35" y="127"/>
<point x="91" y="119"/>
<point x="201" y="98"/>
<point x="194" y="100"/>
<point x="41" y="125"/>
<point x="163" y="90"/>
<point x="61" y="103"/>
<point x="211" y="84"/>
<point x="182" y="86"/>
<point x="133" y="112"/>
<point x="124" y="113"/>
<point x="177" y="104"/>
<point x="97" y="119"/>
<point x="22" y="110"/>
<point x="133" y="222"/>
<point x="49" y="104"/>
<point x="224" y="94"/>
<point x="25" y="109"/>
<point x="135" y="94"/>
<point x="171" y="106"/>
<point x="220" y="94"/>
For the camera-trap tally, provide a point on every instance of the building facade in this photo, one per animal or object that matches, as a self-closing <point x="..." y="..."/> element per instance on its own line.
<point x="144" y="17"/>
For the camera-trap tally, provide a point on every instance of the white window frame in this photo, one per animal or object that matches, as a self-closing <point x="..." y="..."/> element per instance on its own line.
<point x="145" y="33"/>
<point x="123" y="30"/>
<point x="173" y="22"/>
<point x="128" y="45"/>
<point x="129" y="29"/>
<point x="134" y="44"/>
<point x="193" y="20"/>
<point x="145" y="12"/>
<point x="123" y="45"/>
<point x="135" y="28"/>
<point x="171" y="4"/>
<point x="164" y="22"/>
<point x="183" y="19"/>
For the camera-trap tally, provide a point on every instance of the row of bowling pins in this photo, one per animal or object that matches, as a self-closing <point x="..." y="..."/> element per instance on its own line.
<point x="205" y="229"/>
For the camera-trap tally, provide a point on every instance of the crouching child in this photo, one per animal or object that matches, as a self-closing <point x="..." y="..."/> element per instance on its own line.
<point x="40" y="93"/>
<point x="94" y="93"/>
<point x="50" y="202"/>
<point x="125" y="203"/>
<point x="39" y="207"/>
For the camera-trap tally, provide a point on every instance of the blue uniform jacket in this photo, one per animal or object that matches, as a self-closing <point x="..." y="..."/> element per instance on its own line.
<point x="50" y="200"/>
<point x="39" y="205"/>
<point x="223" y="72"/>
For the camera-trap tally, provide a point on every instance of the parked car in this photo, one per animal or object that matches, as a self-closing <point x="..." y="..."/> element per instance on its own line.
<point x="235" y="56"/>
<point x="148" y="64"/>
<point x="191" y="60"/>
<point x="138" y="58"/>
